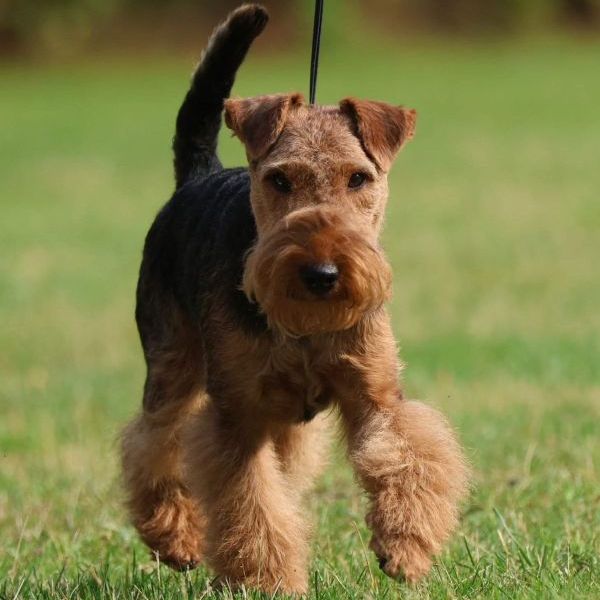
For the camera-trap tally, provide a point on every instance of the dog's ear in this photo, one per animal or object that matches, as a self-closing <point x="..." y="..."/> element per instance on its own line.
<point x="382" y="128"/>
<point x="258" y="121"/>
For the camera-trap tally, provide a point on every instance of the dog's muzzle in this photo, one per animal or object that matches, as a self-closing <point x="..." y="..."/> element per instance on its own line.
<point x="318" y="271"/>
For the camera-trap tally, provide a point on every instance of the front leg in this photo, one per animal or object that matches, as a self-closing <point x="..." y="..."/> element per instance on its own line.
<point x="406" y="456"/>
<point x="256" y="535"/>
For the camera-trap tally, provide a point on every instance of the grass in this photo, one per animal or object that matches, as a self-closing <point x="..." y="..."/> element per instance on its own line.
<point x="493" y="234"/>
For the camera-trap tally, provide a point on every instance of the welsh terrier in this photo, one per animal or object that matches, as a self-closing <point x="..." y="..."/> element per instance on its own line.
<point x="261" y="303"/>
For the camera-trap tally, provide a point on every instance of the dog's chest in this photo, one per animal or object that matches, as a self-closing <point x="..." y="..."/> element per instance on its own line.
<point x="294" y="382"/>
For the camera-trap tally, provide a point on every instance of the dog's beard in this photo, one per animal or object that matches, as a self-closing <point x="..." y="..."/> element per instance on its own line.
<point x="313" y="236"/>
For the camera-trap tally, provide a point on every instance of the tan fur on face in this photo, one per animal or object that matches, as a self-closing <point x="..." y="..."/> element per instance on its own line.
<point x="321" y="219"/>
<point x="318" y="151"/>
<point x="309" y="236"/>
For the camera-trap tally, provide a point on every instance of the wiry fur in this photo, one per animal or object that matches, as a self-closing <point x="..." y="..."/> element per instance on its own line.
<point x="244" y="357"/>
<point x="316" y="235"/>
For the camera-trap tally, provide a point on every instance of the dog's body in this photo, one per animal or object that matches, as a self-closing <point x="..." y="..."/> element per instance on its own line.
<point x="210" y="218"/>
<point x="261" y="303"/>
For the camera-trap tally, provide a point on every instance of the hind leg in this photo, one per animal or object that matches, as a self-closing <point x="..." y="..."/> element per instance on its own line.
<point x="160" y="505"/>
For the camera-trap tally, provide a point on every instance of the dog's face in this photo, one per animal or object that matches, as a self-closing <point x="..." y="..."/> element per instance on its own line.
<point x="319" y="190"/>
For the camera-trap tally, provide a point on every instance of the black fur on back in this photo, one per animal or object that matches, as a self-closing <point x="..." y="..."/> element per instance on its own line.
<point x="194" y="252"/>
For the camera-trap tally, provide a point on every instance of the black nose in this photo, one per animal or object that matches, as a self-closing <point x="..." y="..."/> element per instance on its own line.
<point x="319" y="279"/>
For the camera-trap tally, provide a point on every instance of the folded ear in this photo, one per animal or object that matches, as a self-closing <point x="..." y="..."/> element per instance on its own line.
<point x="382" y="128"/>
<point x="258" y="121"/>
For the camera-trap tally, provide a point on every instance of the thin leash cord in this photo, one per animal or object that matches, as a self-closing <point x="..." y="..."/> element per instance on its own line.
<point x="316" y="47"/>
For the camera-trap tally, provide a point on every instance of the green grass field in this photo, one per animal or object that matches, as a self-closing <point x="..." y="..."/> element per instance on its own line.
<point x="494" y="234"/>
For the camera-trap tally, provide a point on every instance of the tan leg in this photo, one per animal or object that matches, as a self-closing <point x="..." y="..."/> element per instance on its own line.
<point x="255" y="534"/>
<point x="408" y="460"/>
<point x="302" y="450"/>
<point x="160" y="505"/>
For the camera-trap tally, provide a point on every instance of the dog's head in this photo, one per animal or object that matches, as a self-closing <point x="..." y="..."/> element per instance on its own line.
<point x="319" y="190"/>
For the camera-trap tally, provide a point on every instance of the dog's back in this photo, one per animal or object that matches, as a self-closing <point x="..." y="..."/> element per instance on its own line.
<point x="195" y="249"/>
<point x="193" y="255"/>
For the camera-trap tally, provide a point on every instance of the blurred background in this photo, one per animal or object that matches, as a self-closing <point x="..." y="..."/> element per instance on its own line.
<point x="493" y="232"/>
<point x="65" y="27"/>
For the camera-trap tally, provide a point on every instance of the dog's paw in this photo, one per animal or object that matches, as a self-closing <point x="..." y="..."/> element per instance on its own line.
<point x="173" y="530"/>
<point x="402" y="559"/>
<point x="176" y="551"/>
<point x="181" y="560"/>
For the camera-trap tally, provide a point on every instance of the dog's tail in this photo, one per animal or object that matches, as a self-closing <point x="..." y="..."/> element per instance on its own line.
<point x="199" y="118"/>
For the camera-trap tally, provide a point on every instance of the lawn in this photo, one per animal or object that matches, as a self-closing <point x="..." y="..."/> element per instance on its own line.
<point x="494" y="234"/>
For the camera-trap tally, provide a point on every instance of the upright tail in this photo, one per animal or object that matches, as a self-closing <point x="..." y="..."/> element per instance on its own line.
<point x="199" y="118"/>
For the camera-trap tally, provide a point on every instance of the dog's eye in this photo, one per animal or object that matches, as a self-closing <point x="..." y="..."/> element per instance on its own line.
<point x="280" y="182"/>
<point x="357" y="180"/>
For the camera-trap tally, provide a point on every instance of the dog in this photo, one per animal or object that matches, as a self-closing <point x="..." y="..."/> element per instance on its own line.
<point x="261" y="309"/>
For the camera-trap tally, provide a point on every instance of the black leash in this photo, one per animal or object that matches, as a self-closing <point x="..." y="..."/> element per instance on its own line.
<point x="316" y="46"/>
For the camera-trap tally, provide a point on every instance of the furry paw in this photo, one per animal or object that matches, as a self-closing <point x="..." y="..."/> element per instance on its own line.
<point x="173" y="531"/>
<point x="182" y="559"/>
<point x="402" y="559"/>
<point x="178" y="550"/>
